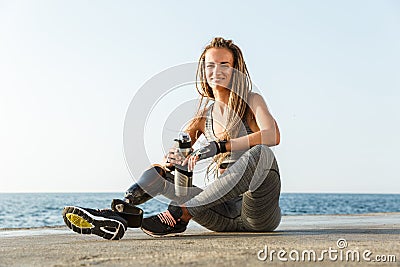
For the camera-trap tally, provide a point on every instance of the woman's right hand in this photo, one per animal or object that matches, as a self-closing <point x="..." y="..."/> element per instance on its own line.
<point x="172" y="158"/>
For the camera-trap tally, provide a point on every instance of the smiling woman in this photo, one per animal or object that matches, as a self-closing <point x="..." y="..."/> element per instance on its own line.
<point x="225" y="80"/>
<point x="239" y="130"/>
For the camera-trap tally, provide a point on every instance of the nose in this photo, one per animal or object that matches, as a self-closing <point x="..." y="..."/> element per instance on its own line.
<point x="217" y="69"/>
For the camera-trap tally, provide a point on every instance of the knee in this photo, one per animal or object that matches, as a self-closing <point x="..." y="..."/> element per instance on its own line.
<point x="158" y="168"/>
<point x="263" y="154"/>
<point x="261" y="150"/>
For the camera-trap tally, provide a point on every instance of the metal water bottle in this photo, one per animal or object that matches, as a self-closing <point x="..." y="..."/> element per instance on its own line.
<point x="183" y="178"/>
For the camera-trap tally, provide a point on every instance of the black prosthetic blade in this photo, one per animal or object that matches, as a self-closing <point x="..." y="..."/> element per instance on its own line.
<point x="132" y="214"/>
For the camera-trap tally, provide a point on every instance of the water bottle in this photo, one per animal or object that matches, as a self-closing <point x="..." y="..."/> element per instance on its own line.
<point x="182" y="177"/>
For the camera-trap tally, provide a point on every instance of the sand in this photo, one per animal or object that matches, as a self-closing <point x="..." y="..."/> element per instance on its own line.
<point x="58" y="246"/>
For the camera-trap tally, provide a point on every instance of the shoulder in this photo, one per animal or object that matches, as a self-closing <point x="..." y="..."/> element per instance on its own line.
<point x="255" y="100"/>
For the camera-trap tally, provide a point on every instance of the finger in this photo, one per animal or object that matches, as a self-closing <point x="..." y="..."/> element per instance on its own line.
<point x="170" y="158"/>
<point x="170" y="155"/>
<point x="190" y="165"/>
<point x="174" y="156"/>
<point x="182" y="162"/>
<point x="193" y="161"/>
<point x="176" y="162"/>
<point x="179" y="158"/>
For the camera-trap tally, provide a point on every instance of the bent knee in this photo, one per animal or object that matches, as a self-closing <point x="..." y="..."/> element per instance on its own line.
<point x="262" y="149"/>
<point x="266" y="155"/>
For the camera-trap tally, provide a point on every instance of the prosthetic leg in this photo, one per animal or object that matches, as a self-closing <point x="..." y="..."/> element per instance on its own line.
<point x="151" y="183"/>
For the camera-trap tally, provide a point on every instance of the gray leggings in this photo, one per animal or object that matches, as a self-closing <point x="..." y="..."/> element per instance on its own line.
<point x="244" y="198"/>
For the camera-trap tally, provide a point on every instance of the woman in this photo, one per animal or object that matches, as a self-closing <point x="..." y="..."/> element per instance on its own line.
<point x="240" y="130"/>
<point x="224" y="79"/>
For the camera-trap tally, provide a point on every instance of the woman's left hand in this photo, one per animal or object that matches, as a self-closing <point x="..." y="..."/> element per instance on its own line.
<point x="208" y="151"/>
<point x="191" y="161"/>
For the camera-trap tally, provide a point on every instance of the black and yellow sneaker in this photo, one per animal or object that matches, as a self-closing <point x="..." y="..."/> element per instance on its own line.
<point x="167" y="223"/>
<point x="104" y="223"/>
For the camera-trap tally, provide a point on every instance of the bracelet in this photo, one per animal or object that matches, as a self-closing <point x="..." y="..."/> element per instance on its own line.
<point x="222" y="146"/>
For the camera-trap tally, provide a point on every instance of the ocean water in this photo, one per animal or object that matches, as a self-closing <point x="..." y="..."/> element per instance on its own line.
<point x="26" y="210"/>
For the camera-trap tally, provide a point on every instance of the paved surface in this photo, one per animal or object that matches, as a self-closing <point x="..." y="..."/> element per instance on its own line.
<point x="297" y="235"/>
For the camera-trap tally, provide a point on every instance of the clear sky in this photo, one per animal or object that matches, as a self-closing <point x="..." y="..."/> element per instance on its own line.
<point x="329" y="71"/>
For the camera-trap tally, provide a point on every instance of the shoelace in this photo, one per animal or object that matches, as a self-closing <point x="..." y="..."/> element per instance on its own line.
<point x="167" y="218"/>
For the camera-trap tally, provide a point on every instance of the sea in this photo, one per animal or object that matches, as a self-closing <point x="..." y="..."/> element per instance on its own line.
<point x="29" y="210"/>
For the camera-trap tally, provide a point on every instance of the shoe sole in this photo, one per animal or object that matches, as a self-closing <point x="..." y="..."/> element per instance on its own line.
<point x="159" y="235"/>
<point x="83" y="222"/>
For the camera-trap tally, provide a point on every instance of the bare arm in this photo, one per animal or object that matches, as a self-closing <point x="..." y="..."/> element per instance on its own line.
<point x="196" y="129"/>
<point x="268" y="133"/>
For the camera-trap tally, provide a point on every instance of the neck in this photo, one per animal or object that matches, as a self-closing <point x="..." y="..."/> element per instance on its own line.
<point x="221" y="100"/>
<point x="221" y="95"/>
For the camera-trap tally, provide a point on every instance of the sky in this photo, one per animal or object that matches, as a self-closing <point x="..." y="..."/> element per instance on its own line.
<point x="69" y="70"/>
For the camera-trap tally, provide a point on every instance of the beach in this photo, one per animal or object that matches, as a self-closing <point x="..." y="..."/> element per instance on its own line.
<point x="378" y="233"/>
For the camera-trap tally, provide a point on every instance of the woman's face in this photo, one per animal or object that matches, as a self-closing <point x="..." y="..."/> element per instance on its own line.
<point x="218" y="67"/>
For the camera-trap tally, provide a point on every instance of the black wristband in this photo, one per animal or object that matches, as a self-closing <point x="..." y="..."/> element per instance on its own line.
<point x="222" y="146"/>
<point x="217" y="147"/>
